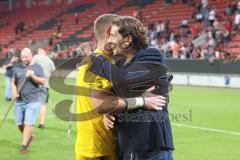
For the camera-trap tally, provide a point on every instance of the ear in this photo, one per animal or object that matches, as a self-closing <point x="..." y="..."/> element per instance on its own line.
<point x="129" y="39"/>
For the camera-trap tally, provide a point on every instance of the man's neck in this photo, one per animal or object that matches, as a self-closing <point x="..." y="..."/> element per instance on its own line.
<point x="29" y="64"/>
<point x="100" y="46"/>
<point x="130" y="54"/>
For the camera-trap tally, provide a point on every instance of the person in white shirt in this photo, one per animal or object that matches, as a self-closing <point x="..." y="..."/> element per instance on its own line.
<point x="48" y="67"/>
<point x="184" y="23"/>
<point x="237" y="21"/>
<point x="160" y="27"/>
<point x="212" y="15"/>
<point x="199" y="17"/>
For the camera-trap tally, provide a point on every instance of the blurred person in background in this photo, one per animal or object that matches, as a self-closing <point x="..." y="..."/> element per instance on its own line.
<point x="77" y="18"/>
<point x="86" y="49"/>
<point x="26" y="82"/>
<point x="48" y="67"/>
<point x="8" y="66"/>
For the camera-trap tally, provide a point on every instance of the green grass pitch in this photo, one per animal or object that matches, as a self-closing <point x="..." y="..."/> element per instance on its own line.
<point x="205" y="123"/>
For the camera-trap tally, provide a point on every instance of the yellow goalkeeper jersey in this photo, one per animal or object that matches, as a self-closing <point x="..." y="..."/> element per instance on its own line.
<point x="93" y="139"/>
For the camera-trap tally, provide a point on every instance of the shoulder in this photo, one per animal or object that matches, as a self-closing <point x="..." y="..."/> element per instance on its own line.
<point x="49" y="58"/>
<point x="36" y="66"/>
<point x="150" y="54"/>
<point x="35" y="57"/>
<point x="6" y="61"/>
<point x="150" y="51"/>
<point x="83" y="68"/>
<point x="50" y="61"/>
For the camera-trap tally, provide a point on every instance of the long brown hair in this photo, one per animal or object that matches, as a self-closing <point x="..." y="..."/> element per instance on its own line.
<point x="130" y="26"/>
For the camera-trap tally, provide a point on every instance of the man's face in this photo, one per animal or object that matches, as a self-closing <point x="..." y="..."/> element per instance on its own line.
<point x="115" y="40"/>
<point x="26" y="57"/>
<point x="41" y="52"/>
<point x="86" y="51"/>
<point x="14" y="59"/>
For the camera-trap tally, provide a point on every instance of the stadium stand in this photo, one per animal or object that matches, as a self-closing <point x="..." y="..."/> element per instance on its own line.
<point x="32" y="17"/>
<point x="42" y="22"/>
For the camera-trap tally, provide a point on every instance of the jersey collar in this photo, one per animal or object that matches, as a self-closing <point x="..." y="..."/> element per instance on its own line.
<point x="104" y="54"/>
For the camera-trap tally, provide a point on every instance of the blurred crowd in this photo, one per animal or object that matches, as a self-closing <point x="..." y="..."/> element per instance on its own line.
<point x="204" y="36"/>
<point x="55" y="51"/>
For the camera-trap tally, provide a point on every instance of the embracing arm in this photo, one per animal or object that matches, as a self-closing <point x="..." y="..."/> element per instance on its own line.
<point x="130" y="81"/>
<point x="134" y="78"/>
<point x="107" y="103"/>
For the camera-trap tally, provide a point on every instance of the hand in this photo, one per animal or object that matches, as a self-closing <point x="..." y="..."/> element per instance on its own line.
<point x="9" y="65"/>
<point x="29" y="73"/>
<point x="15" y="95"/>
<point x="108" y="121"/>
<point x="152" y="101"/>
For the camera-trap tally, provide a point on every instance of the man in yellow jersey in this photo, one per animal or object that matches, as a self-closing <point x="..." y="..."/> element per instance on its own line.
<point x="94" y="141"/>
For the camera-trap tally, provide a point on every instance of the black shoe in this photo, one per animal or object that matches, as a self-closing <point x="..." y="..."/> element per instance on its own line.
<point x="41" y="126"/>
<point x="24" y="150"/>
<point x="8" y="99"/>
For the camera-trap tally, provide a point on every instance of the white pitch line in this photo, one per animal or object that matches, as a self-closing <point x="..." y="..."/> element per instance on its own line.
<point x="12" y="117"/>
<point x="206" y="129"/>
<point x="176" y="125"/>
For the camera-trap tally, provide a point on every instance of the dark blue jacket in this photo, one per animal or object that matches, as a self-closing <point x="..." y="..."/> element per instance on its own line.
<point x="139" y="130"/>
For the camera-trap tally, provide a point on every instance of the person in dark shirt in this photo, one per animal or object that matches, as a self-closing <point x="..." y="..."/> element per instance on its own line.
<point x="77" y="18"/>
<point x="26" y="82"/>
<point x="148" y="135"/>
<point x="8" y="66"/>
<point x="59" y="25"/>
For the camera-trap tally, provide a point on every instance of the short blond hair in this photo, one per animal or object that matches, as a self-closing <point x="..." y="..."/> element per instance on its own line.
<point x="102" y="24"/>
<point x="85" y="45"/>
